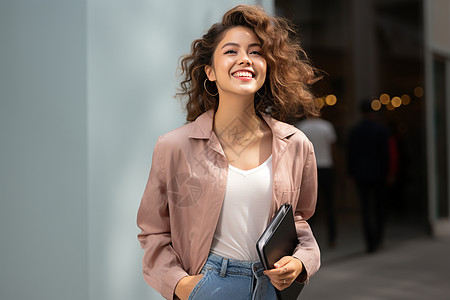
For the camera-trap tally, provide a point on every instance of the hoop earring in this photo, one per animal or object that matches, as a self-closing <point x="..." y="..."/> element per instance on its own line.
<point x="204" y="85"/>
<point x="265" y="92"/>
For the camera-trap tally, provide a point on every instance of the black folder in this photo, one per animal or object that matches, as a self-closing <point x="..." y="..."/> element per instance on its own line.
<point x="278" y="240"/>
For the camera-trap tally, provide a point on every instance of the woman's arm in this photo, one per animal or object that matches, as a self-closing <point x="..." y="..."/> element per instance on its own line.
<point x="307" y="250"/>
<point x="305" y="260"/>
<point x="162" y="266"/>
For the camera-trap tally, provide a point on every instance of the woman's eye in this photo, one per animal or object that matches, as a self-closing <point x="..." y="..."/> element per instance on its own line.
<point x="255" y="52"/>
<point x="230" y="52"/>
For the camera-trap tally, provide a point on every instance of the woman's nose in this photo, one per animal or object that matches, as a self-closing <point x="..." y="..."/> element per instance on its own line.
<point x="244" y="60"/>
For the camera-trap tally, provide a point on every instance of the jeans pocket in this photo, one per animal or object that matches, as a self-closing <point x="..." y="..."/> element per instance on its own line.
<point x="198" y="286"/>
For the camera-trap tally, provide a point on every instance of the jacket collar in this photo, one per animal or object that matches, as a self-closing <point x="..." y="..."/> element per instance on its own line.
<point x="203" y="127"/>
<point x="279" y="129"/>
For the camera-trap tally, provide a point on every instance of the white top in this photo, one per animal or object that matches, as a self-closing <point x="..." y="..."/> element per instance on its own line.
<point x="245" y="212"/>
<point x="322" y="135"/>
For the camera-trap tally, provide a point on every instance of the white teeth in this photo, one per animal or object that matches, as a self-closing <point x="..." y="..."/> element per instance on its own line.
<point x="243" y="74"/>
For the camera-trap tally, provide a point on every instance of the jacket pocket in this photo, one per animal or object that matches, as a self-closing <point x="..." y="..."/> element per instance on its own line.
<point x="290" y="197"/>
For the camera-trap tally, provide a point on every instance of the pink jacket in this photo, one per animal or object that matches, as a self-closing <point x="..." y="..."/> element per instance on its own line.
<point x="181" y="204"/>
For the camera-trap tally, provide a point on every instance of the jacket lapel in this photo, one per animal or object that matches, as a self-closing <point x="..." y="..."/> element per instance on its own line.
<point x="281" y="133"/>
<point x="203" y="129"/>
<point x="280" y="143"/>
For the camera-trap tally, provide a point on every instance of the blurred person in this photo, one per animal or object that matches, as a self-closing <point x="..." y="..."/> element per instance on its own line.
<point x="215" y="182"/>
<point x="323" y="136"/>
<point x="368" y="164"/>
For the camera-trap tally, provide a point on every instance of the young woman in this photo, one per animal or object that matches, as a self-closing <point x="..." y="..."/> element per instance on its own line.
<point x="216" y="182"/>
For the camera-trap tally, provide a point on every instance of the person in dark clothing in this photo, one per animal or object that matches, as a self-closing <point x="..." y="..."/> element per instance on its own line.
<point x="368" y="163"/>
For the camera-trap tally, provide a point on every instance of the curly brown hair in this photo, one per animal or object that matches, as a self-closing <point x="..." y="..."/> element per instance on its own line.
<point x="285" y="93"/>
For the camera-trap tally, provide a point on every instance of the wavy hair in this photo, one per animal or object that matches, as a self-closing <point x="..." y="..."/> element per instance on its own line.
<point x="286" y="91"/>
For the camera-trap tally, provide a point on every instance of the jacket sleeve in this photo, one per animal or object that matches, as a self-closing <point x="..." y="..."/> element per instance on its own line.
<point x="307" y="250"/>
<point x="161" y="264"/>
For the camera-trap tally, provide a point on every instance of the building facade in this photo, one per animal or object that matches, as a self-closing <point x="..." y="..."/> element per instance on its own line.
<point x="437" y="74"/>
<point x="395" y="53"/>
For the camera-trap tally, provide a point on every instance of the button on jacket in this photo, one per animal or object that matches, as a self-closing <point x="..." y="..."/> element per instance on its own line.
<point x="182" y="201"/>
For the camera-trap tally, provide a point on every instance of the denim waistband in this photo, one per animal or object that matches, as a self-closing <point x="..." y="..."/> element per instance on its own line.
<point x="232" y="266"/>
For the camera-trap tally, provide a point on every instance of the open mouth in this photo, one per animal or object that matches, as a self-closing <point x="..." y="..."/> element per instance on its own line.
<point x="243" y="74"/>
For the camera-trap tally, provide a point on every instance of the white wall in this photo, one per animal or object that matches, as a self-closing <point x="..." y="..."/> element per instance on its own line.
<point x="133" y="51"/>
<point x="43" y="184"/>
<point x="86" y="87"/>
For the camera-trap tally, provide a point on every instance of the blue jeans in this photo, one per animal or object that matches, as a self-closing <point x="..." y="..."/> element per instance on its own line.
<point x="228" y="279"/>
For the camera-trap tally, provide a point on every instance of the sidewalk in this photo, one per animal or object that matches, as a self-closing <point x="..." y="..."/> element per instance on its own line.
<point x="415" y="269"/>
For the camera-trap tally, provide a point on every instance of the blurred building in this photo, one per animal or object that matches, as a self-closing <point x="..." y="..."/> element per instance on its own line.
<point x="397" y="52"/>
<point x="437" y="83"/>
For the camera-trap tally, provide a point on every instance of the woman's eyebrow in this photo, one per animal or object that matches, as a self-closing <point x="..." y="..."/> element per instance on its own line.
<point x="237" y="45"/>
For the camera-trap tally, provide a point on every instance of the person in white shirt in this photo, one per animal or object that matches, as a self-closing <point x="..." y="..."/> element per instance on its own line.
<point x="323" y="136"/>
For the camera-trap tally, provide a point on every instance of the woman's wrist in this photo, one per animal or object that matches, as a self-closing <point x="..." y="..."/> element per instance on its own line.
<point x="179" y="288"/>
<point x="185" y="286"/>
<point x="302" y="276"/>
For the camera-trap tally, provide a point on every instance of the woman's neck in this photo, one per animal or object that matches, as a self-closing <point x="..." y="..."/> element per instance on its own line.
<point x="235" y="120"/>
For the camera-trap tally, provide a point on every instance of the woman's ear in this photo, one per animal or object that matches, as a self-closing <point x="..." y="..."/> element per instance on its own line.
<point x="210" y="73"/>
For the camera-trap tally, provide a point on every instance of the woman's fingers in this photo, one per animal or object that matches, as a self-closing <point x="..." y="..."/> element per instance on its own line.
<point x="285" y="272"/>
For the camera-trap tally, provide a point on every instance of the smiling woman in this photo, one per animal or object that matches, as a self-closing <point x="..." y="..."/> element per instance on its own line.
<point x="238" y="67"/>
<point x="285" y="92"/>
<point x="216" y="182"/>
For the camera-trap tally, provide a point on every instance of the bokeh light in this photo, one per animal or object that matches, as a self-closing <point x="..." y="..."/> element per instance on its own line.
<point x="319" y="103"/>
<point x="396" y="101"/>
<point x="406" y="99"/>
<point x="376" y="105"/>
<point x="384" y="99"/>
<point x="331" y="100"/>
<point x="418" y="92"/>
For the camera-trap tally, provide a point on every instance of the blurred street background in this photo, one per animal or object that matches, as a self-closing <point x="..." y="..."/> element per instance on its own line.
<point x="412" y="269"/>
<point x="87" y="86"/>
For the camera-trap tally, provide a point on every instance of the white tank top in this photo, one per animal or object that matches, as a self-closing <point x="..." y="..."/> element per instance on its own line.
<point x="245" y="212"/>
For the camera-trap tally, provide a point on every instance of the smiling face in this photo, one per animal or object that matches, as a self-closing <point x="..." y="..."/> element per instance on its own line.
<point x="238" y="67"/>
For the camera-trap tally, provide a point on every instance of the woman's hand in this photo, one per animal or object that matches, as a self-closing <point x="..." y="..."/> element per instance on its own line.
<point x="186" y="285"/>
<point x="285" y="272"/>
